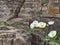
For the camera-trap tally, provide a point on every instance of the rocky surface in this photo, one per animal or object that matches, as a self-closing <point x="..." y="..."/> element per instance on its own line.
<point x="29" y="11"/>
<point x="14" y="36"/>
<point x="20" y="16"/>
<point x="8" y="8"/>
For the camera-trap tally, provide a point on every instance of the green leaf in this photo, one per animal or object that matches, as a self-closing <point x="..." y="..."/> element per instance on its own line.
<point x="41" y="12"/>
<point x="4" y="24"/>
<point x="31" y="30"/>
<point x="28" y="29"/>
<point x="44" y="1"/>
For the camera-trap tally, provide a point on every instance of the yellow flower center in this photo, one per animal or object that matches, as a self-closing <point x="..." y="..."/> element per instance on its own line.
<point x="42" y="25"/>
<point x="35" y="25"/>
<point x="53" y="35"/>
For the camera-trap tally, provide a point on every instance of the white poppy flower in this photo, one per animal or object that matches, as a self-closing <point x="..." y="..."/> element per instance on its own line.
<point x="52" y="34"/>
<point x="51" y="22"/>
<point x="34" y="24"/>
<point x="42" y="24"/>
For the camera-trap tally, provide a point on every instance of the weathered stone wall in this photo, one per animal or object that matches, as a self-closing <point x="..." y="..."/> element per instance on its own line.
<point x="12" y="36"/>
<point x="28" y="13"/>
<point x="7" y="8"/>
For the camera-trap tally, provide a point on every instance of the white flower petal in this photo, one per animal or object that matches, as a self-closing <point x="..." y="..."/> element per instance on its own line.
<point x="32" y="26"/>
<point x="42" y="24"/>
<point x="51" y="22"/>
<point x="35" y="21"/>
<point x="52" y="34"/>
